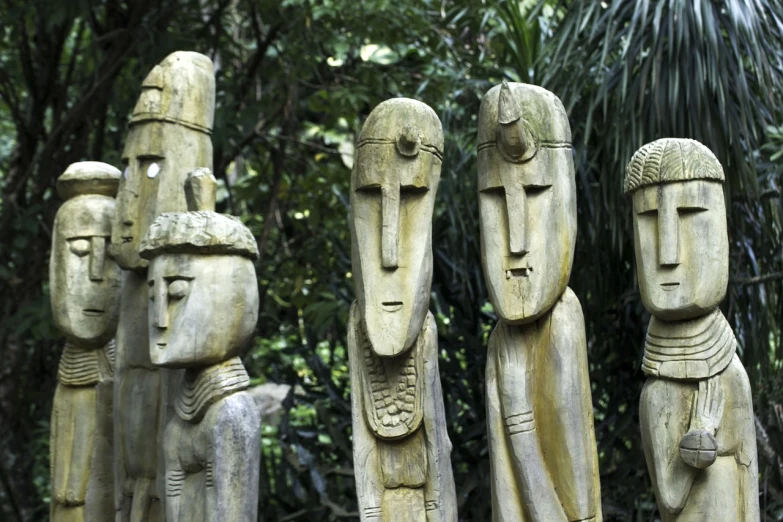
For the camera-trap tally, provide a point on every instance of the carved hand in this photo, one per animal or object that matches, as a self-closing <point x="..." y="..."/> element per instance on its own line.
<point x="708" y="406"/>
<point x="699" y="448"/>
<point x="515" y="369"/>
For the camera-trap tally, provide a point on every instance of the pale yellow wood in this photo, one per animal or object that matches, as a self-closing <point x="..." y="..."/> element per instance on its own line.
<point x="400" y="441"/>
<point x="544" y="462"/>
<point x="203" y="311"/>
<point x="168" y="137"/>
<point x="85" y="295"/>
<point x="696" y="411"/>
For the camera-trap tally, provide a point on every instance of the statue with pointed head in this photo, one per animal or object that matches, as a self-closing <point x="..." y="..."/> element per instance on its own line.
<point x="85" y="294"/>
<point x="696" y="412"/>
<point x="392" y="336"/>
<point x="542" y="444"/>
<point x="168" y="138"/>
<point x="527" y="200"/>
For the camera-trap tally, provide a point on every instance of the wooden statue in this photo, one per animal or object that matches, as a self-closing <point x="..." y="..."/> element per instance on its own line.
<point x="203" y="308"/>
<point x="400" y="445"/>
<point x="539" y="408"/>
<point x="85" y="296"/>
<point x="169" y="136"/>
<point x="696" y="411"/>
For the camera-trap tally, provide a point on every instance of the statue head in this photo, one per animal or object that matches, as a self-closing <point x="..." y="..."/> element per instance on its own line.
<point x="84" y="280"/>
<point x="680" y="233"/>
<point x="393" y="185"/>
<point x="527" y="200"/>
<point x="203" y="288"/>
<point x="168" y="136"/>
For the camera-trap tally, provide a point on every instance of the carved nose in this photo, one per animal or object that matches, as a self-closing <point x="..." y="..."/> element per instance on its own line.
<point x="668" y="237"/>
<point x="390" y="226"/>
<point x="97" y="258"/>
<point x="516" y="207"/>
<point x="161" y="306"/>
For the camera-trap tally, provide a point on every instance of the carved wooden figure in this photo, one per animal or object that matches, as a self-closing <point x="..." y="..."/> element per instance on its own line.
<point x="168" y="137"/>
<point x="400" y="445"/>
<point x="203" y="308"/>
<point x="696" y="412"/>
<point x="539" y="408"/>
<point x="85" y="294"/>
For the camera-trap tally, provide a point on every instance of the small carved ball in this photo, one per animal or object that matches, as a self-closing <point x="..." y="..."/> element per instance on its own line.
<point x="698" y="449"/>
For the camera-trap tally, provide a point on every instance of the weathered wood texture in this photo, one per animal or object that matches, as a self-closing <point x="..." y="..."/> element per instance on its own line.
<point x="696" y="411"/>
<point x="85" y="294"/>
<point x="539" y="407"/>
<point x="400" y="442"/>
<point x="204" y="306"/>
<point x="168" y="137"/>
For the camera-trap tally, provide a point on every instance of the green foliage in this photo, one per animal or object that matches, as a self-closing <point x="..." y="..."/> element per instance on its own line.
<point x="295" y="81"/>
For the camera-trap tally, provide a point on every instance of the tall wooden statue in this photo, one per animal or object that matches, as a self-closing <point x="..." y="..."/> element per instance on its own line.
<point x="169" y="136"/>
<point x="539" y="409"/>
<point x="696" y="412"/>
<point x="203" y="308"/>
<point x="400" y="445"/>
<point x="85" y="294"/>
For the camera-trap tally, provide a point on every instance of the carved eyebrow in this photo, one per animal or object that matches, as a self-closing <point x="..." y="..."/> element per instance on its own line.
<point x="176" y="277"/>
<point x="426" y="147"/>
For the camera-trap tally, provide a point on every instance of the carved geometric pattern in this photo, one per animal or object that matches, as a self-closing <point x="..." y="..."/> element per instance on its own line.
<point x="671" y="159"/>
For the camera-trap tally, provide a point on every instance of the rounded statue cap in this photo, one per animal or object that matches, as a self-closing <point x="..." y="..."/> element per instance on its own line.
<point x="88" y="177"/>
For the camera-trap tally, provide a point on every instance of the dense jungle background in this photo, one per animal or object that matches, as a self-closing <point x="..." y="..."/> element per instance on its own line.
<point x="295" y="81"/>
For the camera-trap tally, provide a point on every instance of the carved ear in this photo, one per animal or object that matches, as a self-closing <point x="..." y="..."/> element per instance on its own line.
<point x="201" y="190"/>
<point x="513" y="138"/>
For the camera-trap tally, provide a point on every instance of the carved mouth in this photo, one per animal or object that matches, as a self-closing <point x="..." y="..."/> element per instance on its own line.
<point x="127" y="239"/>
<point x="512" y="273"/>
<point x="669" y="286"/>
<point x="161" y="345"/>
<point x="92" y="312"/>
<point x="391" y="306"/>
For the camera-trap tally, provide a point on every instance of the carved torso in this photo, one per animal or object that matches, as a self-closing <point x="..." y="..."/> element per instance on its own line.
<point x="539" y="408"/>
<point x="678" y="355"/>
<point x="405" y="476"/>
<point x="81" y="440"/>
<point x="210" y="476"/>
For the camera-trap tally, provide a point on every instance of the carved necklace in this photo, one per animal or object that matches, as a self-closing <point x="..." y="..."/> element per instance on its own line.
<point x="202" y="388"/>
<point x="393" y="389"/>
<point x="689" y="350"/>
<point x="86" y="367"/>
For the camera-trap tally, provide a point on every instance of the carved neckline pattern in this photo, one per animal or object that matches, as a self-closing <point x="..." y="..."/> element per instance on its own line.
<point x="86" y="366"/>
<point x="203" y="387"/>
<point x="393" y="388"/>
<point x="689" y="350"/>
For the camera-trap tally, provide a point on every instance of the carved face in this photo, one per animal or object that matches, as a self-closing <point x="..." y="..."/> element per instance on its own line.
<point x="682" y="247"/>
<point x="392" y="198"/>
<point x="158" y="157"/>
<point x="527" y="200"/>
<point x="203" y="308"/>
<point x="85" y="281"/>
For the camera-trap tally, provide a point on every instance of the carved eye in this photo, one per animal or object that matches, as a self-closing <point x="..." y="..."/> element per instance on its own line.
<point x="178" y="289"/>
<point x="80" y="247"/>
<point x="534" y="190"/>
<point x="686" y="211"/>
<point x="153" y="170"/>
